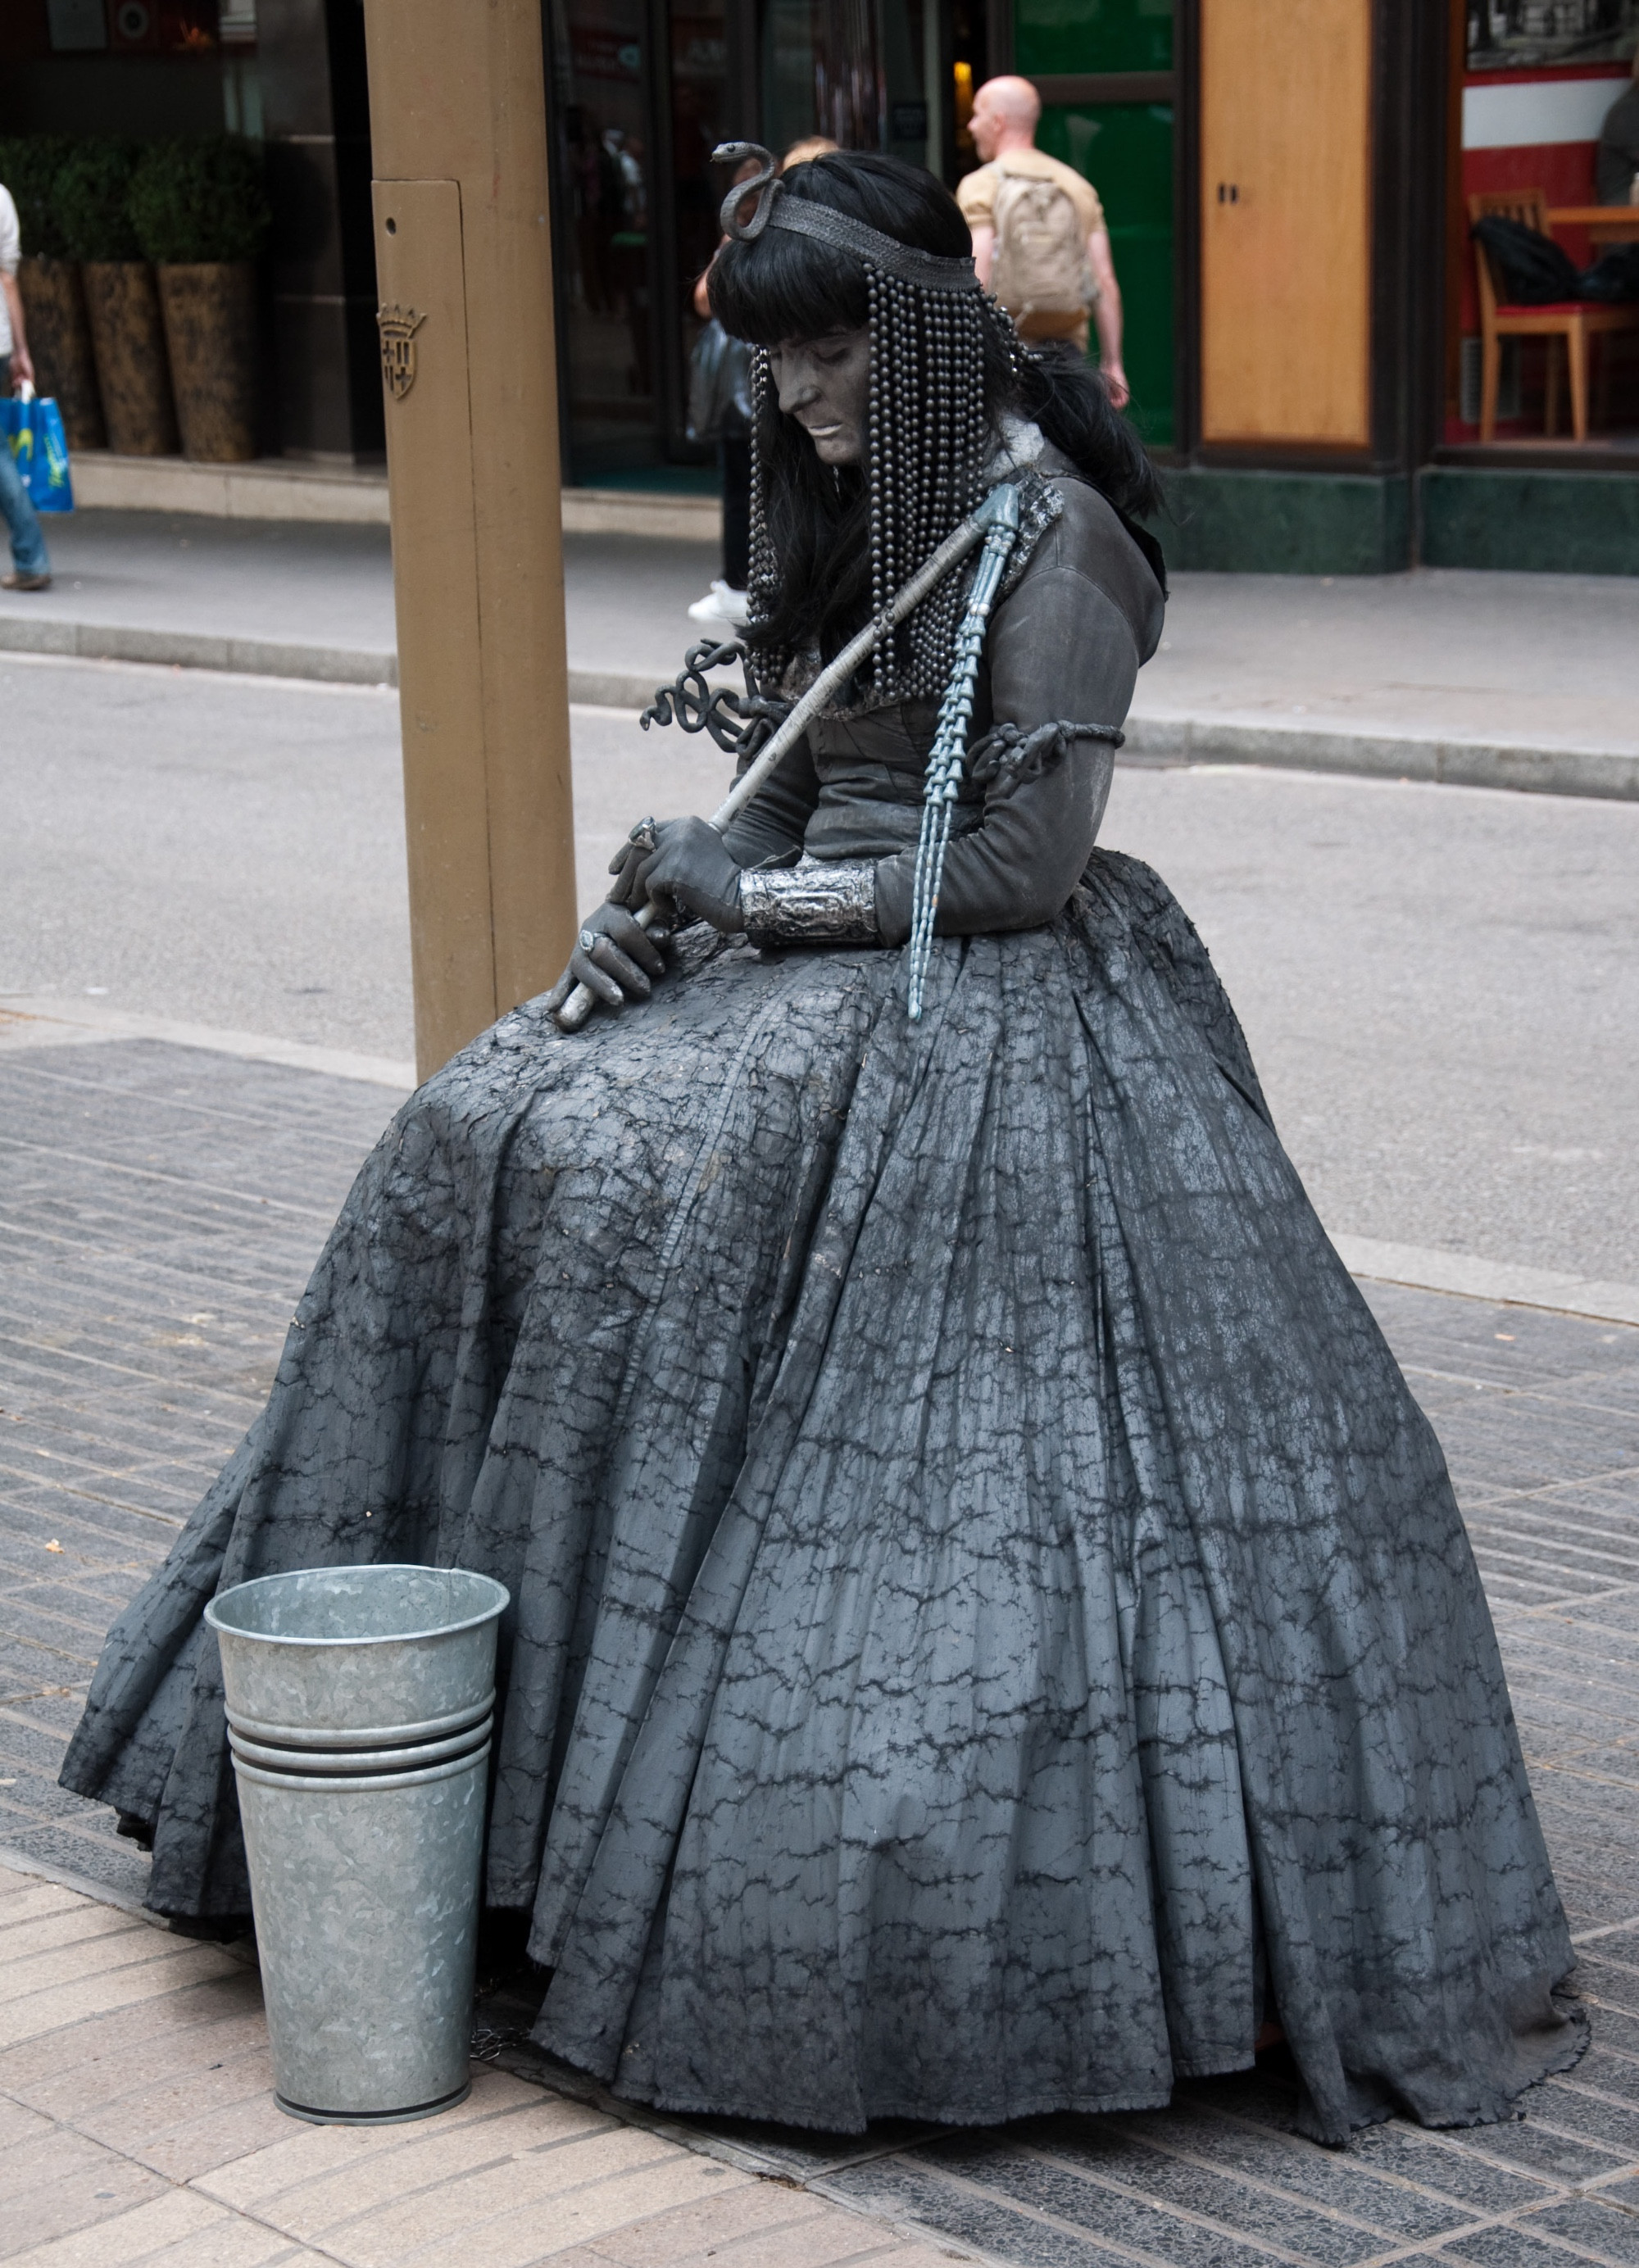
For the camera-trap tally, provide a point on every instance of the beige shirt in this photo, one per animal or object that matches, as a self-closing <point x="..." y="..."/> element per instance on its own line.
<point x="975" y="192"/>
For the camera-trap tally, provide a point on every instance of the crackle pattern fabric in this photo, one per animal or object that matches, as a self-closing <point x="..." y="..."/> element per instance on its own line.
<point x="991" y="1627"/>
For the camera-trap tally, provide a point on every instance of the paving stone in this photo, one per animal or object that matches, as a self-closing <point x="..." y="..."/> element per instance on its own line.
<point x="1506" y="2248"/>
<point x="100" y="2062"/>
<point x="1261" y="2184"/>
<point x="1602" y="2229"/>
<point x="234" y="2244"/>
<point x="1335" y="2181"/>
<point x="908" y="2191"/>
<point x="512" y="2238"/>
<point x="1567" y="2107"/>
<point x="19" y="2125"/>
<point x="1609" y="2071"/>
<point x="1449" y="2167"/>
<point x="90" y="1847"/>
<point x="174" y="2217"/>
<point x="1564" y="2159"/>
<point x="740" y="2228"/>
<point x="68" y="1925"/>
<point x="437" y="2180"/>
<point x="1053" y="2186"/>
<point x="194" y="2121"/>
<point x="909" y="2255"/>
<point x="306" y="2154"/>
<point x="53" y="2189"/>
<point x="1591" y="1903"/>
<point x="1607" y="1981"/>
<point x="51" y="2009"/>
<point x="116" y="1940"/>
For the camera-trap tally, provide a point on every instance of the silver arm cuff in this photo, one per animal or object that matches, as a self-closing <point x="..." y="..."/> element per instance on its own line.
<point x="820" y="901"/>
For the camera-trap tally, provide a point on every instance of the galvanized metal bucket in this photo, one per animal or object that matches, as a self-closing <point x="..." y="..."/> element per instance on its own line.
<point x="359" y="1706"/>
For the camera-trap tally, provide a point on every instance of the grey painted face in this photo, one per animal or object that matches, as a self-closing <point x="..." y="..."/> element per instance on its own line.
<point x="824" y="384"/>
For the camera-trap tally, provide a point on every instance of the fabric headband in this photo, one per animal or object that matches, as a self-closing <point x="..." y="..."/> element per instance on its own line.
<point x="804" y="217"/>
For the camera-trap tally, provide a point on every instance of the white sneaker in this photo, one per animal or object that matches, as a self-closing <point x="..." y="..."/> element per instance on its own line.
<point x="722" y="603"/>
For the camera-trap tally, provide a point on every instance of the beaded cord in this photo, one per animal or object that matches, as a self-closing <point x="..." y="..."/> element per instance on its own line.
<point x="928" y="439"/>
<point x="949" y="753"/>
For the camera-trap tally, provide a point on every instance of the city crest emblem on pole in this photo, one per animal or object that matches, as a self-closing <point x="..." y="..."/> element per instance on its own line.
<point x="398" y="327"/>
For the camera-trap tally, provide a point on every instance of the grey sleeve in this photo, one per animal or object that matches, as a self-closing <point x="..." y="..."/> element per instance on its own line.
<point x="773" y="823"/>
<point x="1060" y="648"/>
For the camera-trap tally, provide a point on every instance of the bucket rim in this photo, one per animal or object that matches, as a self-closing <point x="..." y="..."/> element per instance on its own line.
<point x="499" y="1601"/>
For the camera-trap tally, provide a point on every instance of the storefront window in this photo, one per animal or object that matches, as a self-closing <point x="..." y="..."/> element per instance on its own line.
<point x="1540" y="80"/>
<point x="635" y="131"/>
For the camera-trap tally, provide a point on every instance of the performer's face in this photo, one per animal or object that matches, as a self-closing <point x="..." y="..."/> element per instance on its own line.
<point x="824" y="384"/>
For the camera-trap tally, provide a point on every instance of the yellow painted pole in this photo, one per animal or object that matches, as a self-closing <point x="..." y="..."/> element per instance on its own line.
<point x="463" y="263"/>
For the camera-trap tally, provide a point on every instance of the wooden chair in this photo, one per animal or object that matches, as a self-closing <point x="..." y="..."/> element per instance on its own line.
<point x="1573" y="320"/>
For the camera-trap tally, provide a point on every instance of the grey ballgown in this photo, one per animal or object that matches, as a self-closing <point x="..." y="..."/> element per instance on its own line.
<point x="991" y="1626"/>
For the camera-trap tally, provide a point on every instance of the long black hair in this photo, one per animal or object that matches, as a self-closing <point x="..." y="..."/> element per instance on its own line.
<point x="824" y="567"/>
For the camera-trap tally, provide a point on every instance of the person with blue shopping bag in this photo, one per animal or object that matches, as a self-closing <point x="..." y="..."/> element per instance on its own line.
<point x="31" y="562"/>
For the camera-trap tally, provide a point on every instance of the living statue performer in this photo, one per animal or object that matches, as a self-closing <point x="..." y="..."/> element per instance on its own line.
<point x="992" y="1632"/>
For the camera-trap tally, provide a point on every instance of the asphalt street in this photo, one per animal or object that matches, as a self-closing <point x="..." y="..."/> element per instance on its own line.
<point x="1440" y="985"/>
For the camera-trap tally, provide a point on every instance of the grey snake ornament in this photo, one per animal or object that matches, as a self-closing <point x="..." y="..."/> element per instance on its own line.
<point x="739" y="722"/>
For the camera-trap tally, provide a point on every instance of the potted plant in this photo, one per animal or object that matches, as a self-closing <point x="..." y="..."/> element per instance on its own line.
<point x="200" y="214"/>
<point x="128" y="336"/>
<point x="53" y="302"/>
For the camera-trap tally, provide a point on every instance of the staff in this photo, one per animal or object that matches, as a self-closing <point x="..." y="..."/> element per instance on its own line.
<point x="1001" y="505"/>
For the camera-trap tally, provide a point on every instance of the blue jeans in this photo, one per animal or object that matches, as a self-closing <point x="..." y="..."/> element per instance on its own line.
<point x="29" y="555"/>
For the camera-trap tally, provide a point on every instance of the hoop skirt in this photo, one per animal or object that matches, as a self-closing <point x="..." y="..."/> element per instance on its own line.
<point x="991" y="1627"/>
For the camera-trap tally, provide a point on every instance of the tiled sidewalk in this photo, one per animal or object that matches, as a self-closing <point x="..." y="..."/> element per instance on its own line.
<point x="138" y="2124"/>
<point x="161" y="1207"/>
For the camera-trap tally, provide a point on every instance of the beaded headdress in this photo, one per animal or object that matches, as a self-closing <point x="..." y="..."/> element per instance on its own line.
<point x="929" y="431"/>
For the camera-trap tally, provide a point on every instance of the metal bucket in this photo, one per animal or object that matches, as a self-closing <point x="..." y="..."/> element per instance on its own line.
<point x="359" y="1706"/>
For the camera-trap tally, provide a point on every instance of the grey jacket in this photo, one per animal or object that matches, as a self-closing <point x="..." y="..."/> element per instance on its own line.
<point x="1066" y="642"/>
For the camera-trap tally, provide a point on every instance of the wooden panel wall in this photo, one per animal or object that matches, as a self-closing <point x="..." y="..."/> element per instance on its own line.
<point x="1286" y="221"/>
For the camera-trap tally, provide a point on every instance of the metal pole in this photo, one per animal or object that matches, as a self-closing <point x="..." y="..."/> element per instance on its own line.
<point x="464" y="257"/>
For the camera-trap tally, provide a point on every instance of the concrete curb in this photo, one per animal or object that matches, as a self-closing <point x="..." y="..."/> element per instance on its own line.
<point x="190" y="650"/>
<point x="70" y="1022"/>
<point x="1611" y="774"/>
<point x="1606" y="774"/>
<point x="321" y="665"/>
<point x="24" y="1862"/>
<point x="1503" y="1282"/>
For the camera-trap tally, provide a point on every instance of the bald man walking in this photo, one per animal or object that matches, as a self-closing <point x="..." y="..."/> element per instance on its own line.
<point x="1039" y="237"/>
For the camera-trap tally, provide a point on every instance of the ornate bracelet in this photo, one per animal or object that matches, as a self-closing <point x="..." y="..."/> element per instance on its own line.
<point x="818" y="902"/>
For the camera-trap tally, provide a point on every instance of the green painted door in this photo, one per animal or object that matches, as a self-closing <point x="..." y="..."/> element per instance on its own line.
<point x="1125" y="149"/>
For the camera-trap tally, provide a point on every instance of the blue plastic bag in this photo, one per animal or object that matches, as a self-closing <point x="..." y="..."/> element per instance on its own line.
<point x="33" y="430"/>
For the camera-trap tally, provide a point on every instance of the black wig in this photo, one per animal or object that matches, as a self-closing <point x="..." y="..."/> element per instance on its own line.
<point x="830" y="545"/>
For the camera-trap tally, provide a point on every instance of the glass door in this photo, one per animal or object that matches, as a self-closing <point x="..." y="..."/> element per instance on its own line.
<point x="641" y="99"/>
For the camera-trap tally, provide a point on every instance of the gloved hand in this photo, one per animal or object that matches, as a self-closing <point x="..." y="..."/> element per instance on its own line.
<point x="613" y="958"/>
<point x="691" y="868"/>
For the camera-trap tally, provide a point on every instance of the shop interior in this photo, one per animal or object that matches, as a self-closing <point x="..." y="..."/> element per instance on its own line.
<point x="643" y="94"/>
<point x="1543" y="338"/>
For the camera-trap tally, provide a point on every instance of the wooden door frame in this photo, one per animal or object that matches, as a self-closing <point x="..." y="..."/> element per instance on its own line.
<point x="1409" y="103"/>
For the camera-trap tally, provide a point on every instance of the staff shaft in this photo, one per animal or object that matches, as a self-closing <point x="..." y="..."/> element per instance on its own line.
<point x="832" y="679"/>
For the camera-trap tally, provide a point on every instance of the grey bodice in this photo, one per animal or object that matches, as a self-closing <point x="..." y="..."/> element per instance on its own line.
<point x="1066" y="642"/>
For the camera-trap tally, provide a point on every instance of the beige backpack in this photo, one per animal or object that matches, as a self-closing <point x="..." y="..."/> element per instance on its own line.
<point x="1041" y="265"/>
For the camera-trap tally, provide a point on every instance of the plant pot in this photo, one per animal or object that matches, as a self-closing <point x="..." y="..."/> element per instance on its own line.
<point x="59" y="340"/>
<point x="210" y="330"/>
<point x="128" y="340"/>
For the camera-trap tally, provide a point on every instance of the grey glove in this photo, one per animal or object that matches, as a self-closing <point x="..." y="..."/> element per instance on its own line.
<point x="613" y="958"/>
<point x="691" y="868"/>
